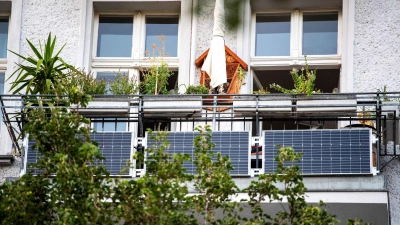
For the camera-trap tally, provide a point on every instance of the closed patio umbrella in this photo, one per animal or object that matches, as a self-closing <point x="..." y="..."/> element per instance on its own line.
<point x="215" y="64"/>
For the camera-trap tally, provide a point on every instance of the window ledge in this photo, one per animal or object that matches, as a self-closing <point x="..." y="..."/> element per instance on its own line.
<point x="329" y="61"/>
<point x="123" y="63"/>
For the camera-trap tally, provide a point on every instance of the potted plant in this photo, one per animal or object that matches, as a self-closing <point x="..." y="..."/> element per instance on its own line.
<point x="264" y="102"/>
<point x="309" y="100"/>
<point x="155" y="80"/>
<point x="103" y="103"/>
<point x="40" y="74"/>
<point x="389" y="106"/>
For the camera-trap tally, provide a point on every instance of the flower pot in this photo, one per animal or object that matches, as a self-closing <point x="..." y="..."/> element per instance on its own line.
<point x="265" y="104"/>
<point x="186" y="104"/>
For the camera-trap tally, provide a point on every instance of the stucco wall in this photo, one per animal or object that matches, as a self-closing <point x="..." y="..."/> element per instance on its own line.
<point x="376" y="63"/>
<point x="62" y="18"/>
<point x="376" y="45"/>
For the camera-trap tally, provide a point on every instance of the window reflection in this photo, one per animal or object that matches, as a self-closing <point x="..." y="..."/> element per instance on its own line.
<point x="115" y="36"/>
<point x="166" y="27"/>
<point x="273" y="35"/>
<point x="320" y="34"/>
<point x="109" y="124"/>
<point x="3" y="36"/>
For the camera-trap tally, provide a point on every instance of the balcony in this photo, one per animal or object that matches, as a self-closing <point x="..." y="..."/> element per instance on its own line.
<point x="339" y="134"/>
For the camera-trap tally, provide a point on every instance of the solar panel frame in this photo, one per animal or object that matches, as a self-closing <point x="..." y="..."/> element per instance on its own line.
<point x="325" y="152"/>
<point x="236" y="144"/>
<point x="116" y="147"/>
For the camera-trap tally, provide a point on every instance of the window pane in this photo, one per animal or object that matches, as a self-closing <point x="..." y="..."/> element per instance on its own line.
<point x="109" y="77"/>
<point x="273" y="35"/>
<point x="320" y="34"/>
<point x="2" y="75"/>
<point x="107" y="124"/>
<point x="3" y="36"/>
<point x="115" y="36"/>
<point x="166" y="27"/>
<point x="326" y="81"/>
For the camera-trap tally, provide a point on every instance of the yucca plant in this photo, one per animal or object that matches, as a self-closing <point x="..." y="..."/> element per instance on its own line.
<point x="41" y="73"/>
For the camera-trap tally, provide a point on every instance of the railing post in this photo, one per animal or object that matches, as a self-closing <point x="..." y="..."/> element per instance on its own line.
<point x="257" y="131"/>
<point x="214" y="112"/>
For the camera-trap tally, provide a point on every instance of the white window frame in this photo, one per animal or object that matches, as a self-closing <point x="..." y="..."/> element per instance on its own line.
<point x="3" y="61"/>
<point x="138" y="58"/>
<point x="296" y="57"/>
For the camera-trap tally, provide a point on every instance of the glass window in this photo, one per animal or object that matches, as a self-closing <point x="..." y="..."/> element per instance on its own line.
<point x="109" y="124"/>
<point x="115" y="36"/>
<point x="320" y="34"/>
<point x="109" y="77"/>
<point x="273" y="35"/>
<point x="2" y="75"/>
<point x="166" y="27"/>
<point x="3" y="36"/>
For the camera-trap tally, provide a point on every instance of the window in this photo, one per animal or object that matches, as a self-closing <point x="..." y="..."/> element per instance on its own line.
<point x="297" y="33"/>
<point x="115" y="36"/>
<point x="2" y="76"/>
<point x="125" y="41"/>
<point x="122" y="35"/>
<point x="109" y="124"/>
<point x="283" y="38"/>
<point x="3" y="36"/>
<point x="166" y="28"/>
<point x="273" y="35"/>
<point x="320" y="33"/>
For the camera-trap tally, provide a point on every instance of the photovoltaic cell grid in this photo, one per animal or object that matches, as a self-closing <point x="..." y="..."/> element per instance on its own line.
<point x="324" y="151"/>
<point x="114" y="146"/>
<point x="234" y="144"/>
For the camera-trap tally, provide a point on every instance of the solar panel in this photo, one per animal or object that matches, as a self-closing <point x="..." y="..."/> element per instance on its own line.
<point x="345" y="151"/>
<point x="234" y="144"/>
<point x="114" y="146"/>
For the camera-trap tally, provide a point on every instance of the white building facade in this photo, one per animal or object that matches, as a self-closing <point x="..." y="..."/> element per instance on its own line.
<point x="353" y="44"/>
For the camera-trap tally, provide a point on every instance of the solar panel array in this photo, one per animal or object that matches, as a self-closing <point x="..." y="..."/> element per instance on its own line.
<point x="346" y="151"/>
<point x="235" y="144"/>
<point x="114" y="146"/>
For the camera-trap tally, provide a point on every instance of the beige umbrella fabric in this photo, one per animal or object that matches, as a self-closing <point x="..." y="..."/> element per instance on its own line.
<point x="215" y="64"/>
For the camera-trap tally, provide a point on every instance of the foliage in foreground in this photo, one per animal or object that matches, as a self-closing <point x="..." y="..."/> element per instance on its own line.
<point x="82" y="191"/>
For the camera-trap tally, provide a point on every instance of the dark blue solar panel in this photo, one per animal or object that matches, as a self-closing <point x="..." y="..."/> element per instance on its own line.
<point x="324" y="151"/>
<point x="234" y="144"/>
<point x="114" y="146"/>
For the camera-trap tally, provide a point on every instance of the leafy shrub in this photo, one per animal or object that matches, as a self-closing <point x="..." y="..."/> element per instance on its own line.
<point x="123" y="85"/>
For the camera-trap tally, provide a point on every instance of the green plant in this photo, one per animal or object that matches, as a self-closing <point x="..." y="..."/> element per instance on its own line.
<point x="383" y="95"/>
<point x="304" y="82"/>
<point x="42" y="73"/>
<point x="287" y="173"/>
<point x="199" y="89"/>
<point x="86" y="82"/>
<point x="241" y="74"/>
<point x="123" y="85"/>
<point x="262" y="91"/>
<point x="155" y="78"/>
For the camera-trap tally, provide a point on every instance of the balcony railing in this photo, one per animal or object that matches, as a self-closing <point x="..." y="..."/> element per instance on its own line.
<point x="254" y="113"/>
